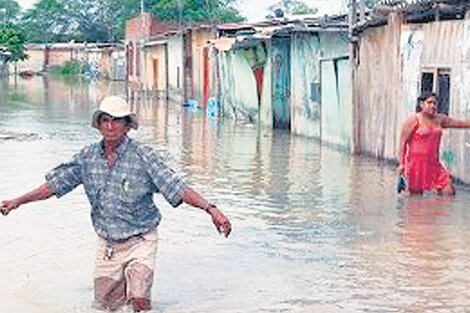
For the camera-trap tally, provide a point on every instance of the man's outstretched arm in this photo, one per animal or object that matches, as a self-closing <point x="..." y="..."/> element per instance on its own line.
<point x="41" y="193"/>
<point x="220" y="221"/>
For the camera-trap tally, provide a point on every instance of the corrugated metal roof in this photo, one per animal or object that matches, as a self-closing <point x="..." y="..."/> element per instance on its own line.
<point x="415" y="11"/>
<point x="236" y="26"/>
<point x="248" y="43"/>
<point x="280" y="26"/>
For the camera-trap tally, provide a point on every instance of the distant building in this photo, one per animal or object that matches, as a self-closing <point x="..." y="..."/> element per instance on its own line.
<point x="100" y="59"/>
<point x="145" y="52"/>
<point x="169" y="60"/>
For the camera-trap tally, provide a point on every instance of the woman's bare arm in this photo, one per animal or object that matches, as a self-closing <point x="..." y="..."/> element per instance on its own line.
<point x="450" y="122"/>
<point x="406" y="130"/>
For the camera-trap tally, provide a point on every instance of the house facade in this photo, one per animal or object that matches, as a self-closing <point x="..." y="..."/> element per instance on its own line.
<point x="410" y="50"/>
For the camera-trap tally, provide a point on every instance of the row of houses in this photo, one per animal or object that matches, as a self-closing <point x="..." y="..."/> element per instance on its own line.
<point x="100" y="59"/>
<point x="267" y="72"/>
<point x="346" y="82"/>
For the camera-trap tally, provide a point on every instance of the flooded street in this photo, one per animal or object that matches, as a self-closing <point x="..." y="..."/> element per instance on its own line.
<point x="314" y="229"/>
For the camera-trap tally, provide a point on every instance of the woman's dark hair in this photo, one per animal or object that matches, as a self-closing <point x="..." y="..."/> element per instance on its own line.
<point x="425" y="95"/>
<point x="419" y="103"/>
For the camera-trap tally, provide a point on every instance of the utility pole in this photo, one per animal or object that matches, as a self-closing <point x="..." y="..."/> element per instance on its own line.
<point x="352" y="61"/>
<point x="362" y="11"/>
<point x="139" y="46"/>
<point x="352" y="17"/>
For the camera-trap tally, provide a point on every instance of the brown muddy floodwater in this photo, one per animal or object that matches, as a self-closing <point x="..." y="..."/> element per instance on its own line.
<point x="314" y="229"/>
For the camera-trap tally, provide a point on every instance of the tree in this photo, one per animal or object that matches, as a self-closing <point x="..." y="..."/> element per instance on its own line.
<point x="99" y="21"/>
<point x="295" y="7"/>
<point x="116" y="13"/>
<point x="104" y="20"/>
<point x="188" y="11"/>
<point x="9" y="12"/>
<point x="12" y="44"/>
<point x="88" y="20"/>
<point x="47" y="21"/>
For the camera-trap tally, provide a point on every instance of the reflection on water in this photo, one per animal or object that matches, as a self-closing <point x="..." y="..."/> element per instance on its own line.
<point x="314" y="229"/>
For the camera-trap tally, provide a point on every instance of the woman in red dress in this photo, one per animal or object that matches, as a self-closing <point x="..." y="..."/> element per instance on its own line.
<point x="419" y="147"/>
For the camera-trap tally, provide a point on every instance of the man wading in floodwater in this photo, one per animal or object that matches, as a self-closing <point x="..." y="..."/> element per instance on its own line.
<point x="120" y="177"/>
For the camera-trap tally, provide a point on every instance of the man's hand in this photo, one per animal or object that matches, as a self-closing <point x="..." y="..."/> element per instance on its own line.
<point x="9" y="205"/>
<point x="220" y="221"/>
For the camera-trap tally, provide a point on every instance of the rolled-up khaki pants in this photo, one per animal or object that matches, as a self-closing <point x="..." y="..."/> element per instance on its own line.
<point x="125" y="273"/>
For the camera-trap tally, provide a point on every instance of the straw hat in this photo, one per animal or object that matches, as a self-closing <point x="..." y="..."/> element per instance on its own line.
<point x="116" y="107"/>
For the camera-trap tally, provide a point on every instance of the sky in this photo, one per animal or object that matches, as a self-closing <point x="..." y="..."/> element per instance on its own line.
<point x="256" y="10"/>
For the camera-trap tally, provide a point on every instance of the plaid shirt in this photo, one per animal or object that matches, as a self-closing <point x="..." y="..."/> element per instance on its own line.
<point x="121" y="197"/>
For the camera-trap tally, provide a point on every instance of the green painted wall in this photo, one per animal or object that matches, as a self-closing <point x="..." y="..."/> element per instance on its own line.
<point x="239" y="97"/>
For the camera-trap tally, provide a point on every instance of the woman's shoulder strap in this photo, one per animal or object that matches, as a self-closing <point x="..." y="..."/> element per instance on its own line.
<point x="417" y="122"/>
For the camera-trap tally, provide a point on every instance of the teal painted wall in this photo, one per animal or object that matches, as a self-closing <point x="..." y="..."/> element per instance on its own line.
<point x="281" y="81"/>
<point x="292" y="67"/>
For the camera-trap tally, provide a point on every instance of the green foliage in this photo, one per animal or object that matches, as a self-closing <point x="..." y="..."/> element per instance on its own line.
<point x="71" y="73"/>
<point x="12" y="44"/>
<point x="78" y="20"/>
<point x="104" y="20"/>
<point x="47" y="21"/>
<point x="89" y="18"/>
<point x="295" y="7"/>
<point x="70" y="68"/>
<point x="100" y="21"/>
<point x="189" y="11"/>
<point x="301" y="8"/>
<point x="18" y="96"/>
<point x="9" y="12"/>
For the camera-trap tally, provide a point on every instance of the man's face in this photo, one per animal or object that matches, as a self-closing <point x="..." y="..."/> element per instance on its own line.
<point x="112" y="128"/>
